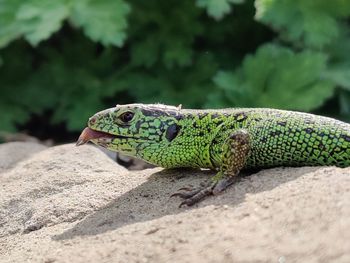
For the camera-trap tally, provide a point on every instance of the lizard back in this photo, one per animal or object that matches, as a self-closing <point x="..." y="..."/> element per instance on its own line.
<point x="286" y="138"/>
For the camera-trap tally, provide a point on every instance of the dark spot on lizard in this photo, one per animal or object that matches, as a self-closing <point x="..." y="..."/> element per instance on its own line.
<point x="282" y="123"/>
<point x="275" y="133"/>
<point x="172" y="132"/>
<point x="157" y="113"/>
<point x="178" y="116"/>
<point x="240" y="116"/>
<point x="345" y="137"/>
<point x="263" y="139"/>
<point x="309" y="130"/>
<point x="138" y="125"/>
<point x="202" y="115"/>
<point x="148" y="112"/>
<point x="257" y="119"/>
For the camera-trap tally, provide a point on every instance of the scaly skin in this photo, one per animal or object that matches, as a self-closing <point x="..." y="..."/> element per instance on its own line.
<point x="226" y="140"/>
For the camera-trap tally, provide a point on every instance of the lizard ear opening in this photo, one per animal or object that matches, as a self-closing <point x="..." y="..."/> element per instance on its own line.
<point x="172" y="132"/>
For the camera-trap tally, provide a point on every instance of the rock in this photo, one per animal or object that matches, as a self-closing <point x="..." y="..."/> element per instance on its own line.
<point x="55" y="187"/>
<point x="74" y="204"/>
<point x="13" y="152"/>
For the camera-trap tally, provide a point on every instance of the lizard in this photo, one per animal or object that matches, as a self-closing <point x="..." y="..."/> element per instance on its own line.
<point x="225" y="140"/>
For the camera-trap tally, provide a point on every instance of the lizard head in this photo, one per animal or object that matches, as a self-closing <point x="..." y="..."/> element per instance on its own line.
<point x="133" y="129"/>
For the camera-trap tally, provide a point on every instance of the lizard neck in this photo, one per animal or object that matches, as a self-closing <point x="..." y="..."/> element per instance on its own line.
<point x="198" y="133"/>
<point x="190" y="148"/>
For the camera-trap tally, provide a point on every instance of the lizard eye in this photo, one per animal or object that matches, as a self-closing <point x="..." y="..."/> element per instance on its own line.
<point x="126" y="116"/>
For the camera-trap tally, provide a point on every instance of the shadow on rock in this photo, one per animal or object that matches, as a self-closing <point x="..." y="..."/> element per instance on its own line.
<point x="151" y="200"/>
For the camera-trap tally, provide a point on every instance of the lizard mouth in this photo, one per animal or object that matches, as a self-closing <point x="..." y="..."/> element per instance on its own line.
<point x="89" y="134"/>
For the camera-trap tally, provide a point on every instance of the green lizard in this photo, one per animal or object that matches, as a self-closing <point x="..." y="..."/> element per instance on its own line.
<point x="227" y="140"/>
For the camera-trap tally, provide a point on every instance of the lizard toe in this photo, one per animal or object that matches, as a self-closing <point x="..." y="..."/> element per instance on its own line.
<point x="186" y="194"/>
<point x="196" y="195"/>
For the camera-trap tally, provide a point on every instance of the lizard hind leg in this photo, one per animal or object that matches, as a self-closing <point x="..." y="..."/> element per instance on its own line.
<point x="235" y="152"/>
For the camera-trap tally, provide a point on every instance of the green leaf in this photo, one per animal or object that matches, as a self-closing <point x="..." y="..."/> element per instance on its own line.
<point x="164" y="31"/>
<point x="40" y="19"/>
<point x="80" y="112"/>
<point x="145" y="53"/>
<point x="10" y="28"/>
<point x="70" y="82"/>
<point x="313" y="23"/>
<point x="103" y="20"/>
<point x="344" y="102"/>
<point x="172" y="86"/>
<point x="338" y="70"/>
<point x="339" y="50"/>
<point x="178" y="53"/>
<point x="340" y="76"/>
<point x="279" y="78"/>
<point x="218" y="8"/>
<point x="36" y="20"/>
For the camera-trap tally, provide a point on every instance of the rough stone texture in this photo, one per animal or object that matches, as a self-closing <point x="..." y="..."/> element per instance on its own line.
<point x="69" y="204"/>
<point x="13" y="152"/>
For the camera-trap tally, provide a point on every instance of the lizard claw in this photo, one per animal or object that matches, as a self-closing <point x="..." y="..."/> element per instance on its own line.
<point x="189" y="191"/>
<point x="186" y="194"/>
<point x="205" y="189"/>
<point x="193" y="196"/>
<point x="197" y="195"/>
<point x="188" y="188"/>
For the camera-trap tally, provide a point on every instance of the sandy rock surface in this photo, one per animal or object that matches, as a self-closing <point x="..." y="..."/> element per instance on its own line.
<point x="13" y="152"/>
<point x="74" y="204"/>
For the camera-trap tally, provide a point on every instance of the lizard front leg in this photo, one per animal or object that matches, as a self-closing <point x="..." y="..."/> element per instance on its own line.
<point x="235" y="152"/>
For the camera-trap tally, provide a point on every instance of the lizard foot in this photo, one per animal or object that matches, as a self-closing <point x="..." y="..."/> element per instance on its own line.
<point x="194" y="195"/>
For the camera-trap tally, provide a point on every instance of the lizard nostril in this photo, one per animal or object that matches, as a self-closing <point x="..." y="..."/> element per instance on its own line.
<point x="92" y="120"/>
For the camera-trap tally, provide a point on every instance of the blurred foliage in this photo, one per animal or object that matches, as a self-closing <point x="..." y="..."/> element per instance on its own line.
<point x="73" y="58"/>
<point x="256" y="85"/>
